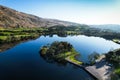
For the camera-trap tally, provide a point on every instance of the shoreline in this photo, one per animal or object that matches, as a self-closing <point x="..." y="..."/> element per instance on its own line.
<point x="100" y="71"/>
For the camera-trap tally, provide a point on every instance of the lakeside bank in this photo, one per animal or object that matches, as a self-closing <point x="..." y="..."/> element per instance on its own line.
<point x="99" y="71"/>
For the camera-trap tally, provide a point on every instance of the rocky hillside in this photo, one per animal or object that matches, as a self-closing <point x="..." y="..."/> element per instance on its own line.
<point x="10" y="18"/>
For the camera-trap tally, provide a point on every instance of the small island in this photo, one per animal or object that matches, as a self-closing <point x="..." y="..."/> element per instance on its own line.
<point x="60" y="51"/>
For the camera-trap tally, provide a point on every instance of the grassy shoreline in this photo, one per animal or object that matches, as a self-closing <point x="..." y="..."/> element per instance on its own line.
<point x="74" y="60"/>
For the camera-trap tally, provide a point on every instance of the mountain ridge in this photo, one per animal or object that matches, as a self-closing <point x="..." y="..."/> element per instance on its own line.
<point x="10" y="18"/>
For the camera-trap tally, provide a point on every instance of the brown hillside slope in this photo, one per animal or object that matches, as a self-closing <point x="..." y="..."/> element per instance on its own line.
<point x="12" y="18"/>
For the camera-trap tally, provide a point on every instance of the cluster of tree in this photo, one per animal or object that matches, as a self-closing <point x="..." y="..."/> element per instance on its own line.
<point x="56" y="51"/>
<point x="60" y="29"/>
<point x="113" y="57"/>
<point x="85" y="30"/>
<point x="100" y="33"/>
<point x="93" y="57"/>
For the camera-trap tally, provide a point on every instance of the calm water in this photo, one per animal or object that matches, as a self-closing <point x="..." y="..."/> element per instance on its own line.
<point x="23" y="61"/>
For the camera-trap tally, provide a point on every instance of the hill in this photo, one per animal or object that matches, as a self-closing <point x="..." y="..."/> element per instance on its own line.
<point x="111" y="27"/>
<point x="10" y="18"/>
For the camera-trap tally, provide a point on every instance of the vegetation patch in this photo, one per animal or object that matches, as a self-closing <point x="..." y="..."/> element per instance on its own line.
<point x="113" y="57"/>
<point x="17" y="34"/>
<point x="73" y="59"/>
<point x="59" y="51"/>
<point x="93" y="58"/>
<point x="117" y="71"/>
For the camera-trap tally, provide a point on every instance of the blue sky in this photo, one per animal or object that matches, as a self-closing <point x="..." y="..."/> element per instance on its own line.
<point x="80" y="11"/>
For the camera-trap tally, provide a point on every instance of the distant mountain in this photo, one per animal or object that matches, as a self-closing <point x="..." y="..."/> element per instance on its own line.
<point x="111" y="27"/>
<point x="10" y="18"/>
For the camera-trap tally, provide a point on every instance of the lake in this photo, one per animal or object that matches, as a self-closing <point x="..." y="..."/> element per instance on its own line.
<point x="23" y="62"/>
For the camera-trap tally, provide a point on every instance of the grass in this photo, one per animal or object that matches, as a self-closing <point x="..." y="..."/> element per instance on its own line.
<point x="3" y="37"/>
<point x="73" y="59"/>
<point x="6" y="35"/>
<point x="70" y="56"/>
<point x="117" y="71"/>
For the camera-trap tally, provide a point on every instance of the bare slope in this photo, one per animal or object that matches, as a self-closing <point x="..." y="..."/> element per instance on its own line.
<point x="13" y="18"/>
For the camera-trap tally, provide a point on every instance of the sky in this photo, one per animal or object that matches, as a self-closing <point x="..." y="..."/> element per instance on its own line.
<point x="79" y="11"/>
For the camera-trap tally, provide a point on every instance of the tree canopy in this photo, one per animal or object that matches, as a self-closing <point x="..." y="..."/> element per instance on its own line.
<point x="58" y="51"/>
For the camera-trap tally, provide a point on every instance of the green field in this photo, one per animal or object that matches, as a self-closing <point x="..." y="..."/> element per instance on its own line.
<point x="10" y="35"/>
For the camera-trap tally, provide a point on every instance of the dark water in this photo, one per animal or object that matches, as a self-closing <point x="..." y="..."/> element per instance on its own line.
<point x="23" y="61"/>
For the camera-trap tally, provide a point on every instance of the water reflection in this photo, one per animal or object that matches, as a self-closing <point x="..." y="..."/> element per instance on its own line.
<point x="6" y="46"/>
<point x="53" y="61"/>
<point x="23" y="62"/>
